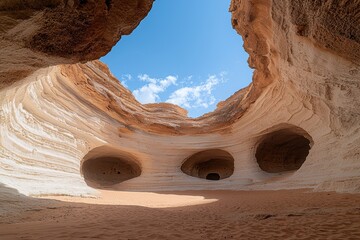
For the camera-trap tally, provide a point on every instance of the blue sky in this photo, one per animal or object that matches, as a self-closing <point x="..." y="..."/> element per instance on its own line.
<point x="184" y="52"/>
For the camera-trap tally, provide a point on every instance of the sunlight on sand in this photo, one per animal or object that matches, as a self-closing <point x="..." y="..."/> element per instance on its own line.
<point x="144" y="199"/>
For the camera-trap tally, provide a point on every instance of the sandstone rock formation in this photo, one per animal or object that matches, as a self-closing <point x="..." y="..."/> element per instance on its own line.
<point x="42" y="33"/>
<point x="60" y="122"/>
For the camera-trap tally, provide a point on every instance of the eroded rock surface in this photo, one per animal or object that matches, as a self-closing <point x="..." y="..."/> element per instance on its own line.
<point x="307" y="71"/>
<point x="41" y="33"/>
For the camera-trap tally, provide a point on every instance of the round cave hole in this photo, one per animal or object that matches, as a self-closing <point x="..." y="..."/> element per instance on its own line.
<point x="283" y="150"/>
<point x="213" y="176"/>
<point x="214" y="165"/>
<point x="108" y="170"/>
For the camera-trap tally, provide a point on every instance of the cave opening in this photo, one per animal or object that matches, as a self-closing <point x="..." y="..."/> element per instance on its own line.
<point x="105" y="167"/>
<point x="213" y="176"/>
<point x="108" y="171"/>
<point x="283" y="150"/>
<point x="214" y="164"/>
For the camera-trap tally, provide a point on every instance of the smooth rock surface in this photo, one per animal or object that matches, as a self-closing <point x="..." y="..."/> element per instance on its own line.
<point x="307" y="76"/>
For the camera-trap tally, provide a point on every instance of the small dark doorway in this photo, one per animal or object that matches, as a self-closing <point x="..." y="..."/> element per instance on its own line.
<point x="213" y="176"/>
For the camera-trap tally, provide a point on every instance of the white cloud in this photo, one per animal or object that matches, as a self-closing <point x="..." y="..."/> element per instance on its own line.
<point x="193" y="96"/>
<point x="149" y="93"/>
<point x="124" y="79"/>
<point x="197" y="96"/>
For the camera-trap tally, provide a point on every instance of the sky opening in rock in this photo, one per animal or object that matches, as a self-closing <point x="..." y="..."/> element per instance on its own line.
<point x="184" y="52"/>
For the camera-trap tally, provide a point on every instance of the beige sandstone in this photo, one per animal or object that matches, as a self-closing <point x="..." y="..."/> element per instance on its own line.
<point x="57" y="113"/>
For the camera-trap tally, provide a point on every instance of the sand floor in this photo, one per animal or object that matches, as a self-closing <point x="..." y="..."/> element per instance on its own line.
<point x="295" y="214"/>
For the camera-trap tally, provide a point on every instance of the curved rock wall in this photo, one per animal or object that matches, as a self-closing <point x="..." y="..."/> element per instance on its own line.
<point x="54" y="117"/>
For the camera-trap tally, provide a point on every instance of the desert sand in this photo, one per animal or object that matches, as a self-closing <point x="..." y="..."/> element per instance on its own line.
<point x="291" y="214"/>
<point x="69" y="130"/>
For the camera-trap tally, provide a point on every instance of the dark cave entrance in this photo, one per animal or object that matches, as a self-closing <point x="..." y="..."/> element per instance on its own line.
<point x="214" y="164"/>
<point x="213" y="176"/>
<point x="283" y="150"/>
<point x="104" y="167"/>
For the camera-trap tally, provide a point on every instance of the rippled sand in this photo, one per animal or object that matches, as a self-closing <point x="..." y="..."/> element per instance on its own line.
<point x="294" y="214"/>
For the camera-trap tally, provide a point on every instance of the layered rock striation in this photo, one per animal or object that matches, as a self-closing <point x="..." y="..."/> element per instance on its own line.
<point x="72" y="128"/>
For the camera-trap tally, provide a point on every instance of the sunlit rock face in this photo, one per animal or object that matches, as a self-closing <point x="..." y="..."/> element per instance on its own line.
<point x="59" y="123"/>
